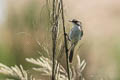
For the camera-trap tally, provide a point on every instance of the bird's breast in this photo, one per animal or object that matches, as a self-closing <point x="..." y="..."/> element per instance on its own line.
<point x="75" y="34"/>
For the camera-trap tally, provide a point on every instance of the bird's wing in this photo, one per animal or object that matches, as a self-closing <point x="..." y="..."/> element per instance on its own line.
<point x="71" y="33"/>
<point x="81" y="33"/>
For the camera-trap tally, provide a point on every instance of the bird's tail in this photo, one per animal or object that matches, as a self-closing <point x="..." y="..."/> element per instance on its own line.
<point x="71" y="54"/>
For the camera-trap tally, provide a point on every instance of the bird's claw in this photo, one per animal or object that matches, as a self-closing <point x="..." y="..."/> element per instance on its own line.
<point x="66" y="34"/>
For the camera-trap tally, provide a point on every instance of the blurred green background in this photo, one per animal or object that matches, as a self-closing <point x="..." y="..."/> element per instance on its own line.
<point x="25" y="21"/>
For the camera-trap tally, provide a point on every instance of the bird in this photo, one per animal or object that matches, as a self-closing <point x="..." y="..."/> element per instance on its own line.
<point x="75" y="35"/>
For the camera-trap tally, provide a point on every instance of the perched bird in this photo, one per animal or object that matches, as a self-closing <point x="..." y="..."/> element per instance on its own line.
<point x="75" y="35"/>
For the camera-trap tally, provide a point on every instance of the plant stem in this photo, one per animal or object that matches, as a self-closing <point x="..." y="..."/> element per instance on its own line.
<point x="65" y="40"/>
<point x="54" y="43"/>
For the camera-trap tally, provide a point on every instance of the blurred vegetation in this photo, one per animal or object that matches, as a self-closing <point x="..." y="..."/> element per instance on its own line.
<point x="25" y="24"/>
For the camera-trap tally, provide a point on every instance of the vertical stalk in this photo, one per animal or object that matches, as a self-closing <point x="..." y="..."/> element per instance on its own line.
<point x="54" y="35"/>
<point x="54" y="42"/>
<point x="65" y="40"/>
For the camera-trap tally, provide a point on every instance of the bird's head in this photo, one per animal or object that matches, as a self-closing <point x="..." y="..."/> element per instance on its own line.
<point x="76" y="22"/>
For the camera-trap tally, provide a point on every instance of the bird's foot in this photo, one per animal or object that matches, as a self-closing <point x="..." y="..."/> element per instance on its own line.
<point x="67" y="36"/>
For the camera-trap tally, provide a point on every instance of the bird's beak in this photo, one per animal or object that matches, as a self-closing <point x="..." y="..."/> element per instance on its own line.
<point x="70" y="21"/>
